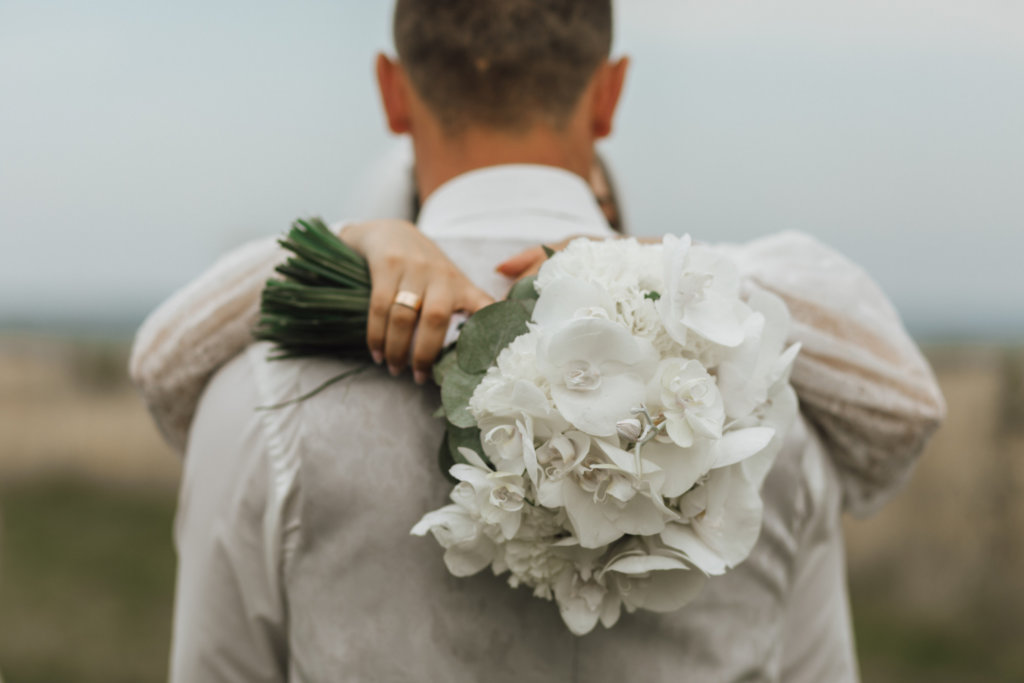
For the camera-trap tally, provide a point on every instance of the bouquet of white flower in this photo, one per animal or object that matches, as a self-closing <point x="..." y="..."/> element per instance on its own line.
<point x="609" y="425"/>
<point x="616" y="429"/>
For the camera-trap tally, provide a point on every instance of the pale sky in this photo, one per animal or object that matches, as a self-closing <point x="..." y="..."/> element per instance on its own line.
<point x="140" y="140"/>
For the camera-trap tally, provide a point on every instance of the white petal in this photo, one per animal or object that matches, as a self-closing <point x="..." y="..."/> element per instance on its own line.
<point x="611" y="608"/>
<point x="577" y="615"/>
<point x="783" y="368"/>
<point x="441" y="517"/>
<point x="530" y="455"/>
<point x="473" y="458"/>
<point x="563" y="297"/>
<point x="475" y="476"/>
<point x="740" y="444"/>
<point x="641" y="516"/>
<point x="596" y="412"/>
<point x="592" y="528"/>
<point x="468" y="559"/>
<point x="732" y="521"/>
<point x="624" y="461"/>
<point x="549" y="493"/>
<point x="780" y="415"/>
<point x="641" y="564"/>
<point x="664" y="589"/>
<point x="777" y="321"/>
<point x="717" y="318"/>
<point x="682" y="467"/>
<point x="679" y="430"/>
<point x="509" y="524"/>
<point x="519" y="397"/>
<point x="594" y="340"/>
<point x="682" y="538"/>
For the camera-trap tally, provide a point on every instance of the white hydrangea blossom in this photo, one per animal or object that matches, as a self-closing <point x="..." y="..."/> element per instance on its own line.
<point x="627" y="432"/>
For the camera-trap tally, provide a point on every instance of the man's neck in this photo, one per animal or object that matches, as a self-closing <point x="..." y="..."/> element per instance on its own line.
<point x="440" y="158"/>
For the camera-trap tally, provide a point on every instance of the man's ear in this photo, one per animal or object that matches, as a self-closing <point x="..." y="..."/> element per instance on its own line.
<point x="608" y="83"/>
<point x="393" y="93"/>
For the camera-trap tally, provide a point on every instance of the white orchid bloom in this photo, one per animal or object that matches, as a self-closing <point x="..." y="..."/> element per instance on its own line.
<point x="496" y="497"/>
<point x="724" y="513"/>
<point x="467" y="548"/>
<point x="583" y="602"/>
<point x="602" y="492"/>
<point x="505" y="442"/>
<point x="682" y="467"/>
<point x="701" y="294"/>
<point x="596" y="370"/>
<point x="756" y="369"/>
<point x="689" y="399"/>
<point x="652" y="579"/>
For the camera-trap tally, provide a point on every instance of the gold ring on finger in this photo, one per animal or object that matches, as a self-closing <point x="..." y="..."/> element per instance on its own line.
<point x="408" y="299"/>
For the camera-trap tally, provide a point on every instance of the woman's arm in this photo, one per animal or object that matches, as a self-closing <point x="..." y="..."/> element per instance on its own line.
<point x="199" y="328"/>
<point x="860" y="377"/>
<point x="209" y="321"/>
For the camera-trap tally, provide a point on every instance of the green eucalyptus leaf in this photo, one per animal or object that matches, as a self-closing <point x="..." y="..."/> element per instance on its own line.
<point x="449" y="359"/>
<point x="490" y="330"/>
<point x="524" y="290"/>
<point x="456" y="391"/>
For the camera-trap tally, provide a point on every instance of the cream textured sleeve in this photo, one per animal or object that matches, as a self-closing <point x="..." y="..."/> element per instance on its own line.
<point x="861" y="379"/>
<point x="198" y="329"/>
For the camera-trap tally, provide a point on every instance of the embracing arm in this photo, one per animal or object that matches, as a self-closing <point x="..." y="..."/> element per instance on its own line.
<point x="209" y="321"/>
<point x="861" y="379"/>
<point x="199" y="328"/>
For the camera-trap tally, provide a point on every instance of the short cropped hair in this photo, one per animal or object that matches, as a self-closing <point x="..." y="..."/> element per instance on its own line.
<point x="502" y="64"/>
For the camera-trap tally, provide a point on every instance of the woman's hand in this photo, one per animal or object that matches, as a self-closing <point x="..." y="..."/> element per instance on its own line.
<point x="402" y="260"/>
<point x="529" y="261"/>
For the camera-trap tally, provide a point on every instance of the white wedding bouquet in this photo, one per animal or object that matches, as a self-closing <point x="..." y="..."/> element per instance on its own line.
<point x="609" y="424"/>
<point x="613" y="422"/>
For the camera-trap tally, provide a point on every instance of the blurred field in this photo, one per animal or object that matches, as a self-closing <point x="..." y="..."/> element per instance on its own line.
<point x="87" y="492"/>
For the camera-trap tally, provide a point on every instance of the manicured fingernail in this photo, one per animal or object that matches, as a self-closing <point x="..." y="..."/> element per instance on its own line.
<point x="378" y="356"/>
<point x="419" y="376"/>
<point x="393" y="370"/>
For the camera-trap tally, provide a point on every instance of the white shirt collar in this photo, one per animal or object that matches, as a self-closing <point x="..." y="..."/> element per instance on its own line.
<point x="525" y="201"/>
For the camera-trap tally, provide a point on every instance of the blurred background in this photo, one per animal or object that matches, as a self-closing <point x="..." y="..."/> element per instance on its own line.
<point x="138" y="141"/>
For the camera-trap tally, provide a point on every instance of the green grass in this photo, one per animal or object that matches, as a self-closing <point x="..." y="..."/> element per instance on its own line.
<point x="897" y="645"/>
<point x="86" y="583"/>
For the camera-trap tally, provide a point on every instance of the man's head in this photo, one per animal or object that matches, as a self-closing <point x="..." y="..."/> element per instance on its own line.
<point x="502" y="80"/>
<point x="505" y="64"/>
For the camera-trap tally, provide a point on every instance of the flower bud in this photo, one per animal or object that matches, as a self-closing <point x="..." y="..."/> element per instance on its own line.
<point x="629" y="429"/>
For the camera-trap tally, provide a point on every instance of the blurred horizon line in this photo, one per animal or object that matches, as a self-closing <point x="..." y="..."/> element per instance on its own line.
<point x="122" y="328"/>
